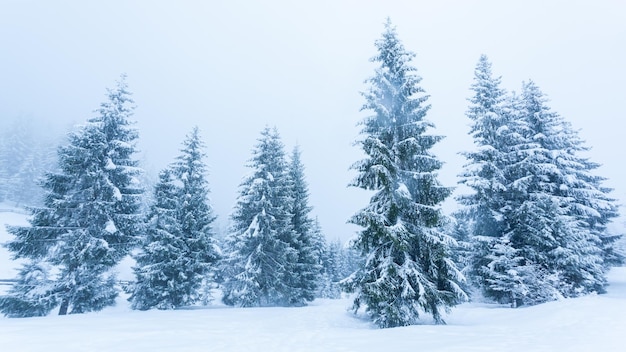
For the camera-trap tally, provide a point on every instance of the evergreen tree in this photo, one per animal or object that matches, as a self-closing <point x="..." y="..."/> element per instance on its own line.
<point x="328" y="284"/>
<point x="493" y="128"/>
<point x="338" y="262"/>
<point x="196" y="214"/>
<point x="179" y="253"/>
<point x="307" y="267"/>
<point x="160" y="262"/>
<point x="534" y="214"/>
<point x="349" y="260"/>
<point x="259" y="267"/>
<point x="551" y="243"/>
<point x="519" y="280"/>
<point x="90" y="218"/>
<point x="553" y="219"/>
<point x="32" y="295"/>
<point x="593" y="204"/>
<point x="463" y="252"/>
<point x="408" y="268"/>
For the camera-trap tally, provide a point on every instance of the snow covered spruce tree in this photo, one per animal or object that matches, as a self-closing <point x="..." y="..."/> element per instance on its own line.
<point x="178" y="253"/>
<point x="338" y="262"/>
<point x="328" y="281"/>
<point x="90" y="219"/>
<point x="307" y="242"/>
<point x="483" y="211"/>
<point x="559" y="202"/>
<point x="550" y="210"/>
<point x="407" y="267"/>
<point x="32" y="294"/>
<point x="260" y="267"/>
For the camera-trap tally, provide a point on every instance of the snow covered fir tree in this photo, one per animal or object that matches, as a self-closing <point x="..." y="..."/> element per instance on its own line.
<point x="178" y="253"/>
<point x="537" y="214"/>
<point x="408" y="269"/>
<point x="270" y="259"/>
<point x="308" y="242"/>
<point x="338" y="262"/>
<point x="89" y="222"/>
<point x="493" y="130"/>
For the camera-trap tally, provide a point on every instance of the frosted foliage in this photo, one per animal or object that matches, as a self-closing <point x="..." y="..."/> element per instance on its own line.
<point x="33" y="294"/>
<point x="308" y="241"/>
<point x="110" y="227"/>
<point x="178" y="255"/>
<point x="537" y="215"/>
<point x="495" y="129"/>
<point x="90" y="218"/>
<point x="406" y="271"/>
<point x="261" y="264"/>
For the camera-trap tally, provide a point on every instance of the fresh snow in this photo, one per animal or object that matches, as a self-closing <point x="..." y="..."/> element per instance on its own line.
<point x="110" y="227"/>
<point x="110" y="165"/>
<point x="590" y="323"/>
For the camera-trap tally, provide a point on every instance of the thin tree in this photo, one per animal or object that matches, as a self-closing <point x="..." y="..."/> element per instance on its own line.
<point x="484" y="208"/>
<point x="307" y="246"/>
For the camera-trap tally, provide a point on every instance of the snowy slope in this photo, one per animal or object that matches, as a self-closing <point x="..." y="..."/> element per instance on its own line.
<point x="592" y="323"/>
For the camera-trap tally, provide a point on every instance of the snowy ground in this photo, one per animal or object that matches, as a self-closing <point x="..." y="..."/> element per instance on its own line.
<point x="592" y="323"/>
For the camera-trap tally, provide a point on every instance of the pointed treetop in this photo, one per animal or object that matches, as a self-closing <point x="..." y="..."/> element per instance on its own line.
<point x="119" y="104"/>
<point x="193" y="142"/>
<point x="487" y="89"/>
<point x="391" y="51"/>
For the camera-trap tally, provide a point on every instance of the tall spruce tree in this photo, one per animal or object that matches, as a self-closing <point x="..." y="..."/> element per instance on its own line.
<point x="553" y="216"/>
<point x="308" y="248"/>
<point x="178" y="253"/>
<point x="492" y="116"/>
<point x="593" y="204"/>
<point x="160" y="264"/>
<point x="196" y="213"/>
<point x="259" y="268"/>
<point x="407" y="268"/>
<point x="91" y="218"/>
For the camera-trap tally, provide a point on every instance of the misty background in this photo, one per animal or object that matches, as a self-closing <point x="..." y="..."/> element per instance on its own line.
<point x="233" y="67"/>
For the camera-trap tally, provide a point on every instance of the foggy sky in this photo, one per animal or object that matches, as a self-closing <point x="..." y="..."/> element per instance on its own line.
<point x="233" y="67"/>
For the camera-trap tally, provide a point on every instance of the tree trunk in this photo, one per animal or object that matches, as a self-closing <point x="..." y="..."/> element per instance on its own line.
<point x="64" y="305"/>
<point x="513" y="300"/>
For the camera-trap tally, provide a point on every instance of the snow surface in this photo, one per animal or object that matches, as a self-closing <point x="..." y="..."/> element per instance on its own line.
<point x="591" y="323"/>
<point x="110" y="227"/>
